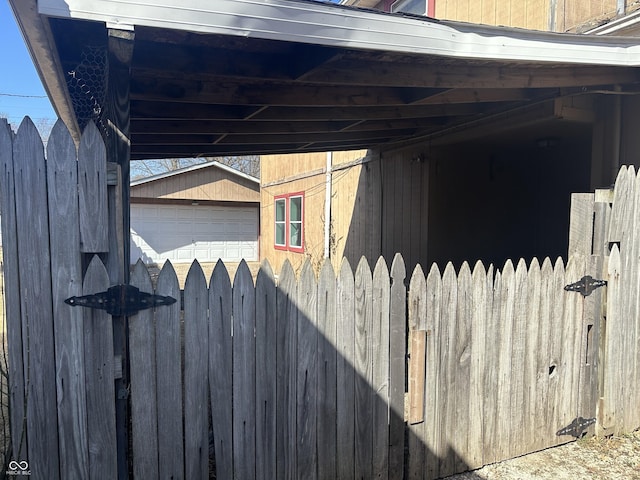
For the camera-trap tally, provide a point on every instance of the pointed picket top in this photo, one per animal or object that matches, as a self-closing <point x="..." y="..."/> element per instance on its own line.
<point x="363" y="278"/>
<point x="60" y="140"/>
<point x="265" y="273"/>
<point x="219" y="274"/>
<point x="559" y="264"/>
<point x="195" y="276"/>
<point x="345" y="268"/>
<point x="620" y="207"/>
<point x="417" y="306"/>
<point x="287" y="275"/>
<point x="140" y="277"/>
<point x="398" y="269"/>
<point x="28" y="129"/>
<point x="464" y="275"/>
<point x="327" y="274"/>
<point x="166" y="278"/>
<point x="478" y="269"/>
<point x="243" y="275"/>
<point x="381" y="269"/>
<point x="449" y="274"/>
<point x="613" y="267"/>
<point x="307" y="270"/>
<point x="547" y="266"/>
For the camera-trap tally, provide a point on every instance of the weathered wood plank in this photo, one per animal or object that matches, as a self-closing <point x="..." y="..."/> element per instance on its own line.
<point x="307" y="374"/>
<point x="168" y="340"/>
<point x="92" y="188"/>
<point x="380" y="368"/>
<point x="542" y="357"/>
<point x="144" y="406"/>
<point x="265" y="301"/>
<point x="397" y="367"/>
<point x="345" y="335"/>
<point x="581" y="224"/>
<point x="530" y="380"/>
<point x="480" y="311"/>
<point x="196" y="364"/>
<point x="619" y="213"/>
<point x="327" y="368"/>
<point x="363" y="371"/>
<point x="12" y="295"/>
<point x="434" y="444"/>
<point x="286" y="392"/>
<point x="417" y="310"/>
<point x="62" y="179"/>
<point x="518" y="346"/>
<point x="555" y="351"/>
<point x="634" y="386"/>
<point x="34" y="265"/>
<point x="503" y="344"/>
<point x="462" y="356"/>
<point x="490" y="379"/>
<point x="244" y="374"/>
<point x="448" y="362"/>
<point x="221" y="369"/>
<point x="98" y="351"/>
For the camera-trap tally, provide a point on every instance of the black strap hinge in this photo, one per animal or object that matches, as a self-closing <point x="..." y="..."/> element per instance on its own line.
<point x="576" y="427"/>
<point x="121" y="300"/>
<point x="585" y="285"/>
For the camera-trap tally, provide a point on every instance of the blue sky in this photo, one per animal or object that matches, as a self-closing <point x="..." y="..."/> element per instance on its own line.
<point x="21" y="91"/>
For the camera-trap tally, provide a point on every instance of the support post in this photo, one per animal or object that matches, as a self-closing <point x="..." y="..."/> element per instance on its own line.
<point x="117" y="141"/>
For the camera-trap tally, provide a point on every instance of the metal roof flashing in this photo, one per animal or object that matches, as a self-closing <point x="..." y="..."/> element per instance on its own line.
<point x="307" y="21"/>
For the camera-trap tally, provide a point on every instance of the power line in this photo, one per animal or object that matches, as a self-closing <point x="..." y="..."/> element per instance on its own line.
<point x="22" y="96"/>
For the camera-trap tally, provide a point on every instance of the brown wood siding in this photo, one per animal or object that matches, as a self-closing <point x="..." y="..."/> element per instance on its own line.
<point x="214" y="184"/>
<point x="355" y="206"/>
<point x="404" y="220"/>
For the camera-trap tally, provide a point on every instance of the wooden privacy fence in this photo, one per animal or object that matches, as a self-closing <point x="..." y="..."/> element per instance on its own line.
<point x="305" y="376"/>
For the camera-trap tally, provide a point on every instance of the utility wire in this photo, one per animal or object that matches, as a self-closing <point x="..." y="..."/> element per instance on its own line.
<point x="21" y="96"/>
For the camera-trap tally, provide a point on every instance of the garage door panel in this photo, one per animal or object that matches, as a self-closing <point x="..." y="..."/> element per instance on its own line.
<point x="184" y="233"/>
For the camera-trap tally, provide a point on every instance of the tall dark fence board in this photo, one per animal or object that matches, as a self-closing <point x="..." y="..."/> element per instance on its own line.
<point x="380" y="368"/>
<point x="244" y="374"/>
<point x="34" y="264"/>
<point x="143" y="368"/>
<point x="265" y="308"/>
<point x="345" y="374"/>
<point x="12" y="296"/>
<point x="62" y="179"/>
<point x="327" y="373"/>
<point x="397" y="364"/>
<point x="286" y="391"/>
<point x="168" y="343"/>
<point x="448" y="365"/>
<point x="99" y="374"/>
<point x="221" y="369"/>
<point x="92" y="176"/>
<point x="307" y="375"/>
<point x="478" y="322"/>
<point x="196" y="366"/>
<point x="417" y="318"/>
<point x="434" y="445"/>
<point x="363" y="371"/>
<point x="516" y="385"/>
<point x="531" y="346"/>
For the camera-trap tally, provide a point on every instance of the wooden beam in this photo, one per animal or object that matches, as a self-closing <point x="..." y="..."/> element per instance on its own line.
<point x="227" y="92"/>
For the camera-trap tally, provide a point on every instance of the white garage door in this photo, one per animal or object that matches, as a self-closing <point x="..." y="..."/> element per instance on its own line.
<point x="184" y="233"/>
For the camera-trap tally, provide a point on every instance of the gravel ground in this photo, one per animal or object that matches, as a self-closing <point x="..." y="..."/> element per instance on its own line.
<point x="612" y="458"/>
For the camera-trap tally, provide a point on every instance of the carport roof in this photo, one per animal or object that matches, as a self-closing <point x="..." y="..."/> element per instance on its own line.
<point x="236" y="77"/>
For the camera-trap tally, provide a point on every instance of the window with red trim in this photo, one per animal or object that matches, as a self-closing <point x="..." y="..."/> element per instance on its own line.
<point x="289" y="222"/>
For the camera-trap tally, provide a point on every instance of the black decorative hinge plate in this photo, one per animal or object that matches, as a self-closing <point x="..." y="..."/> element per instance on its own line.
<point x="121" y="300"/>
<point x="585" y="285"/>
<point x="576" y="427"/>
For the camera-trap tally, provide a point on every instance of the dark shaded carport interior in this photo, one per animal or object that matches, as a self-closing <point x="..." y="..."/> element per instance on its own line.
<point x="194" y="95"/>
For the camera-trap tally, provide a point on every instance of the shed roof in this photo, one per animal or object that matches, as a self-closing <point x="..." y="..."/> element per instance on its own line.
<point x="235" y="77"/>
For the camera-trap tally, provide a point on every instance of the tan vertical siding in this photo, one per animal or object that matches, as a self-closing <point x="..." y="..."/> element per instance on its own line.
<point x="354" y="210"/>
<point x="532" y="14"/>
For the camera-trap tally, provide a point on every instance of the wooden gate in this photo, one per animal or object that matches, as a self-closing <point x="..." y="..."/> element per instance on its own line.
<point x="304" y="377"/>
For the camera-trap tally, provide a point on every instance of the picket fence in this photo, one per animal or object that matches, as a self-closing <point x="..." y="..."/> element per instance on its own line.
<point x="350" y="374"/>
